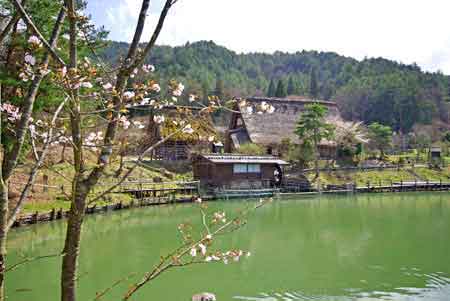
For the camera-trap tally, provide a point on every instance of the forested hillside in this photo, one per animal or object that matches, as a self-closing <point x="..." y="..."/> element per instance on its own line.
<point x="370" y="90"/>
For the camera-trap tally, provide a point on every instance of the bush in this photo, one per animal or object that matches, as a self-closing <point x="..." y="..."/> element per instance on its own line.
<point x="251" y="149"/>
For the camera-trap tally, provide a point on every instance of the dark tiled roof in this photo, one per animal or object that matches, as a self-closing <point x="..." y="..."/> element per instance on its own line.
<point x="237" y="158"/>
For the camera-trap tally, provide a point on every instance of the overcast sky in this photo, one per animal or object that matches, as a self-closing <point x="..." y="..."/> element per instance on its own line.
<point x="403" y="30"/>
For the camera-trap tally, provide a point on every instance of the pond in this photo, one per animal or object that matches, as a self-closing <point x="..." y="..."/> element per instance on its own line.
<point x="356" y="247"/>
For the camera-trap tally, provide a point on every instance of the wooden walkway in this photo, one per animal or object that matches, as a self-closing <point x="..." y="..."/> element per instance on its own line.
<point x="147" y="189"/>
<point x="406" y="186"/>
<point x="247" y="193"/>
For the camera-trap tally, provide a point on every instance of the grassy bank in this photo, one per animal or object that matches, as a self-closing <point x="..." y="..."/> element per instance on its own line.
<point x="53" y="185"/>
<point x="376" y="177"/>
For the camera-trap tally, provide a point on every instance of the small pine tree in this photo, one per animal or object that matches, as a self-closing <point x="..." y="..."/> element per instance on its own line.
<point x="291" y="87"/>
<point x="281" y="89"/>
<point x="271" y="90"/>
<point x="313" y="86"/>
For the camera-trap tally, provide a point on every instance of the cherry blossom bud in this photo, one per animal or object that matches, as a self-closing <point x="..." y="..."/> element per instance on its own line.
<point x="188" y="129"/>
<point x="202" y="249"/>
<point x="86" y="85"/>
<point x="156" y="88"/>
<point x="107" y="86"/>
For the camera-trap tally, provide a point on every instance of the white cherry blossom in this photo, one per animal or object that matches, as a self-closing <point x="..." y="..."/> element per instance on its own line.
<point x="29" y="59"/>
<point x="34" y="40"/>
<point x="107" y="86"/>
<point x="128" y="94"/>
<point x="158" y="119"/>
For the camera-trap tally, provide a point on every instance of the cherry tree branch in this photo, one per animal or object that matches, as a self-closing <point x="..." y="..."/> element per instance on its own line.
<point x="136" y="164"/>
<point x="47" y="44"/>
<point x="121" y="82"/>
<point x="27" y="260"/>
<point x="176" y="256"/>
<point x="37" y="166"/>
<point x="10" y="158"/>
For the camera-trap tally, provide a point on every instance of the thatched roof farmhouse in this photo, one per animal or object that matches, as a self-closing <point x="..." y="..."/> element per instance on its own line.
<point x="269" y="130"/>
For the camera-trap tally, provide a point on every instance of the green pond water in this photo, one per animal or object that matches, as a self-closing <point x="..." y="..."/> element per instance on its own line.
<point x="362" y="247"/>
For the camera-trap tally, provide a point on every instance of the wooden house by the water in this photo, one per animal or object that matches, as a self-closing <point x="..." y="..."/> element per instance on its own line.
<point x="270" y="130"/>
<point x="238" y="171"/>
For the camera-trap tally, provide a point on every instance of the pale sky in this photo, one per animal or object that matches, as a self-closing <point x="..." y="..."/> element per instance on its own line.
<point x="407" y="31"/>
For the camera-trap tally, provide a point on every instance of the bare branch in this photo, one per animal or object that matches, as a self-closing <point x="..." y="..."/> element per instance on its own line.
<point x="37" y="166"/>
<point x="105" y="291"/>
<point x="164" y="265"/>
<point x="155" y="35"/>
<point x="8" y="27"/>
<point x="136" y="164"/>
<point x="27" y="260"/>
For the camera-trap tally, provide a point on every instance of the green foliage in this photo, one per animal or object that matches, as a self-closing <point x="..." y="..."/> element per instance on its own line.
<point x="371" y="90"/>
<point x="291" y="87"/>
<point x="313" y="85"/>
<point x="446" y="137"/>
<point x="251" y="149"/>
<point x="380" y="136"/>
<point x="312" y="127"/>
<point x="219" y="90"/>
<point x="271" y="89"/>
<point x="300" y="155"/>
<point x="281" y="89"/>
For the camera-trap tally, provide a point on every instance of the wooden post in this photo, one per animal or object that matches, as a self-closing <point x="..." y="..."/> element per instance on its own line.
<point x="59" y="214"/>
<point x="52" y="214"/>
<point x="35" y="218"/>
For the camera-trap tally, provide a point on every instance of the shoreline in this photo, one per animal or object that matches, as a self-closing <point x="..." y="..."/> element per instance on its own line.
<point x="53" y="215"/>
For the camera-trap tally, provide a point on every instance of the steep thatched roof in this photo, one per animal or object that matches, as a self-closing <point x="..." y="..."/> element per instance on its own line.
<point x="271" y="129"/>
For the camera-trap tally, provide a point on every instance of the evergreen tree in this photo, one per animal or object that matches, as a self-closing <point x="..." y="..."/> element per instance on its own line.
<point x="380" y="137"/>
<point x="271" y="90"/>
<point x="291" y="87"/>
<point x="313" y="86"/>
<point x="281" y="89"/>
<point x="312" y="128"/>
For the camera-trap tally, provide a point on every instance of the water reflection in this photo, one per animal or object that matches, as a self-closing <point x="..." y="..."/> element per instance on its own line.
<point x="363" y="247"/>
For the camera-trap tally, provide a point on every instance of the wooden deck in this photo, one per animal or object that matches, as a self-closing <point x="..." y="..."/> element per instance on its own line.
<point x="147" y="189"/>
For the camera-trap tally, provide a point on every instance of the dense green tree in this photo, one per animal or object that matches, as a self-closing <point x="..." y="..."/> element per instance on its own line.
<point x="291" y="87"/>
<point x="380" y="137"/>
<point x="281" y="89"/>
<point x="219" y="89"/>
<point x="371" y="90"/>
<point x="271" y="89"/>
<point x="312" y="128"/>
<point x="313" y="85"/>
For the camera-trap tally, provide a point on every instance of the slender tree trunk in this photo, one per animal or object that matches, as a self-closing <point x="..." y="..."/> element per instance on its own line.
<point x="4" y="201"/>
<point x="3" y="234"/>
<point x="63" y="154"/>
<point x="72" y="244"/>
